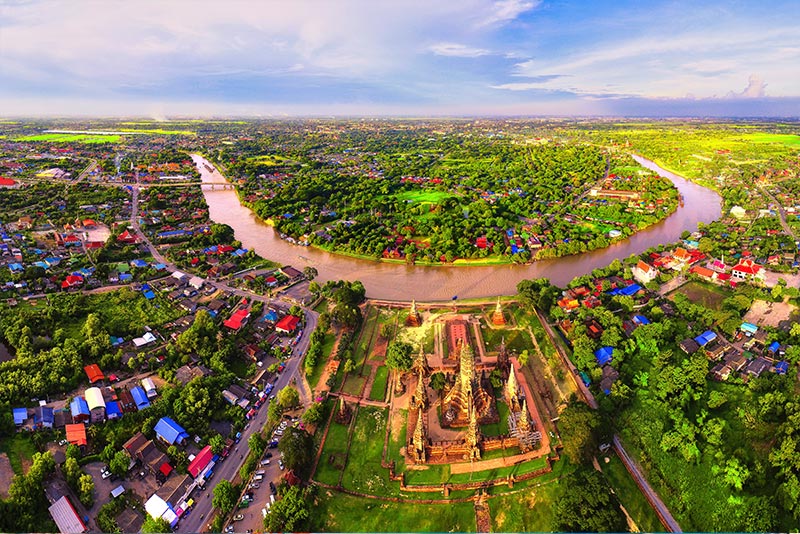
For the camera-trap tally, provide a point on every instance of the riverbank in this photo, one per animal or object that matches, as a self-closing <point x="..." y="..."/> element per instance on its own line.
<point x="400" y="281"/>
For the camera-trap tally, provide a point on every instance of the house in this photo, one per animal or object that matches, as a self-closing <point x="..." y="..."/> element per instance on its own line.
<point x="76" y="434"/>
<point x="43" y="417"/>
<point x="140" y="398"/>
<point x="735" y="360"/>
<point x="196" y="282"/>
<point x="749" y="329"/>
<point x="610" y="375"/>
<point x="149" y="387"/>
<point x="705" y="338"/>
<point x="230" y="397"/>
<point x="748" y="270"/>
<point x="94" y="373"/>
<point x="782" y="367"/>
<point x="291" y="273"/>
<point x="113" y="410"/>
<point x="644" y="272"/>
<point x="238" y="319"/>
<point x="702" y="272"/>
<point x="127" y="237"/>
<point x="720" y="372"/>
<point x="72" y="280"/>
<point x="133" y="445"/>
<point x="757" y="366"/>
<point x="185" y="374"/>
<point x="96" y="403"/>
<point x="287" y="324"/>
<point x="603" y="355"/>
<point x="126" y="401"/>
<point x="170" y="432"/>
<point x="20" y="416"/>
<point x="681" y="255"/>
<point x="593" y="329"/>
<point x="79" y="410"/>
<point x="200" y="461"/>
<point x="65" y="517"/>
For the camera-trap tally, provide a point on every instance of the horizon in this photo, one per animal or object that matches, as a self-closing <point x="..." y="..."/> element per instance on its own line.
<point x="473" y="58"/>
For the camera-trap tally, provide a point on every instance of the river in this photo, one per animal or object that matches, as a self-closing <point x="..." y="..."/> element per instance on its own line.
<point x="404" y="282"/>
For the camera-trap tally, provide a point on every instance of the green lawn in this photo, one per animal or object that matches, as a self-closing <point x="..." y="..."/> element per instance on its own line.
<point x="354" y="383"/>
<point x="71" y="138"/>
<point x="705" y="294"/>
<point x="528" y="511"/>
<point x="423" y="196"/>
<point x="19" y="448"/>
<point x="378" y="391"/>
<point x="630" y="495"/>
<point x="784" y="139"/>
<point x="331" y="460"/>
<point x="363" y="472"/>
<point x="335" y="512"/>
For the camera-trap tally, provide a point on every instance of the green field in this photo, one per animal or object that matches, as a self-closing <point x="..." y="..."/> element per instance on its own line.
<point x="158" y="131"/>
<point x="426" y="196"/>
<point x="19" y="448"/>
<point x="364" y="472"/>
<point x="72" y="138"/>
<point x="784" y="139"/>
<point x="378" y="391"/>
<point x="529" y="511"/>
<point x="709" y="296"/>
<point x="345" y="513"/>
<point x="331" y="461"/>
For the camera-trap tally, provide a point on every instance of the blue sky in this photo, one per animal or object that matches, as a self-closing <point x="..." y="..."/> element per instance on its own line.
<point x="400" y="57"/>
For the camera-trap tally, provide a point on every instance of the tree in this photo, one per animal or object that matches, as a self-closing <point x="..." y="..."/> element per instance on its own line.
<point x="155" y="526"/>
<point x="310" y="272"/>
<point x="438" y="381"/>
<point x="86" y="490"/>
<point x="313" y="415"/>
<point x="297" y="447"/>
<point x="72" y="472"/>
<point x="398" y="356"/>
<point x="225" y="496"/>
<point x="290" y="513"/>
<point x="288" y="397"/>
<point x="587" y="505"/>
<point x="577" y="425"/>
<point x="119" y="463"/>
<point x="217" y="443"/>
<point x="349" y="365"/>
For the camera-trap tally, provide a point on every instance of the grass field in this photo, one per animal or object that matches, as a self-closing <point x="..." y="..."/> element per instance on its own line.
<point x="331" y="461"/>
<point x="364" y="472"/>
<point x="709" y="296"/>
<point x="425" y="196"/>
<point x="784" y="139"/>
<point x="19" y="449"/>
<point x="72" y="138"/>
<point x="630" y="496"/>
<point x="344" y="513"/>
<point x="378" y="390"/>
<point x="268" y="159"/>
<point x="158" y="131"/>
<point x="529" y="511"/>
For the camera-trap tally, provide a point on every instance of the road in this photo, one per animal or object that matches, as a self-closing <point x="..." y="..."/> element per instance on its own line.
<point x="786" y="228"/>
<point x="228" y="470"/>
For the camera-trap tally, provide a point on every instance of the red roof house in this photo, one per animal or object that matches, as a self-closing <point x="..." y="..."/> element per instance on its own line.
<point x="126" y="237"/>
<point x="200" y="461"/>
<point x="76" y="434"/>
<point x="238" y="318"/>
<point x="94" y="373"/>
<point x="72" y="280"/>
<point x="287" y="324"/>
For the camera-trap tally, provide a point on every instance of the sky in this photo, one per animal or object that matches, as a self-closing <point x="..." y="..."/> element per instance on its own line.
<point x="168" y="58"/>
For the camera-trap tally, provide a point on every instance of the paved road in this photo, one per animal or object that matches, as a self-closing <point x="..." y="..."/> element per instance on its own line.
<point x="227" y="470"/>
<point x="786" y="228"/>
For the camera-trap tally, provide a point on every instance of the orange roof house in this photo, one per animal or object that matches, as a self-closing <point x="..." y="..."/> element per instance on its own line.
<point x="76" y="434"/>
<point x="94" y="373"/>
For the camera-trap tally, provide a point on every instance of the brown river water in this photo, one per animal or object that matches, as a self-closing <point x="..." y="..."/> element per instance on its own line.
<point x="426" y="283"/>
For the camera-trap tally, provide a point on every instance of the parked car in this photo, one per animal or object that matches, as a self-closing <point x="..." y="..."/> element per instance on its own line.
<point x="265" y="461"/>
<point x="238" y="517"/>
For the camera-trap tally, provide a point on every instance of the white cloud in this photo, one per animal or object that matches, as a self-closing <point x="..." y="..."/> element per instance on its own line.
<point x="457" y="50"/>
<point x="756" y="88"/>
<point x="704" y="63"/>
<point x="507" y="10"/>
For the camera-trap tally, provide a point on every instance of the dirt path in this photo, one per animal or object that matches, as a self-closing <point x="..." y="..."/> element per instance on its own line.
<point x="322" y="385"/>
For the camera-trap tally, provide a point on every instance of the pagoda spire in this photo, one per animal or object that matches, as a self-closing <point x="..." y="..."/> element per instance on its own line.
<point x="473" y="434"/>
<point x="413" y="318"/>
<point x="418" y="441"/>
<point x="420" y="397"/>
<point x="498" y="318"/>
<point x="421" y="361"/>
<point x="512" y="390"/>
<point x="524" y="424"/>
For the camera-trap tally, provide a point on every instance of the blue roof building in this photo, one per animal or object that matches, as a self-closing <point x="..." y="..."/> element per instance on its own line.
<point x="138" y="263"/>
<point x="705" y="338"/>
<point x="749" y="328"/>
<point x="603" y="355"/>
<point x="113" y="410"/>
<point x="640" y="320"/>
<point x="43" y="416"/>
<point x="79" y="409"/>
<point x="774" y="346"/>
<point x="782" y="367"/>
<point x="140" y="398"/>
<point x="20" y="416"/>
<point x="170" y="432"/>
